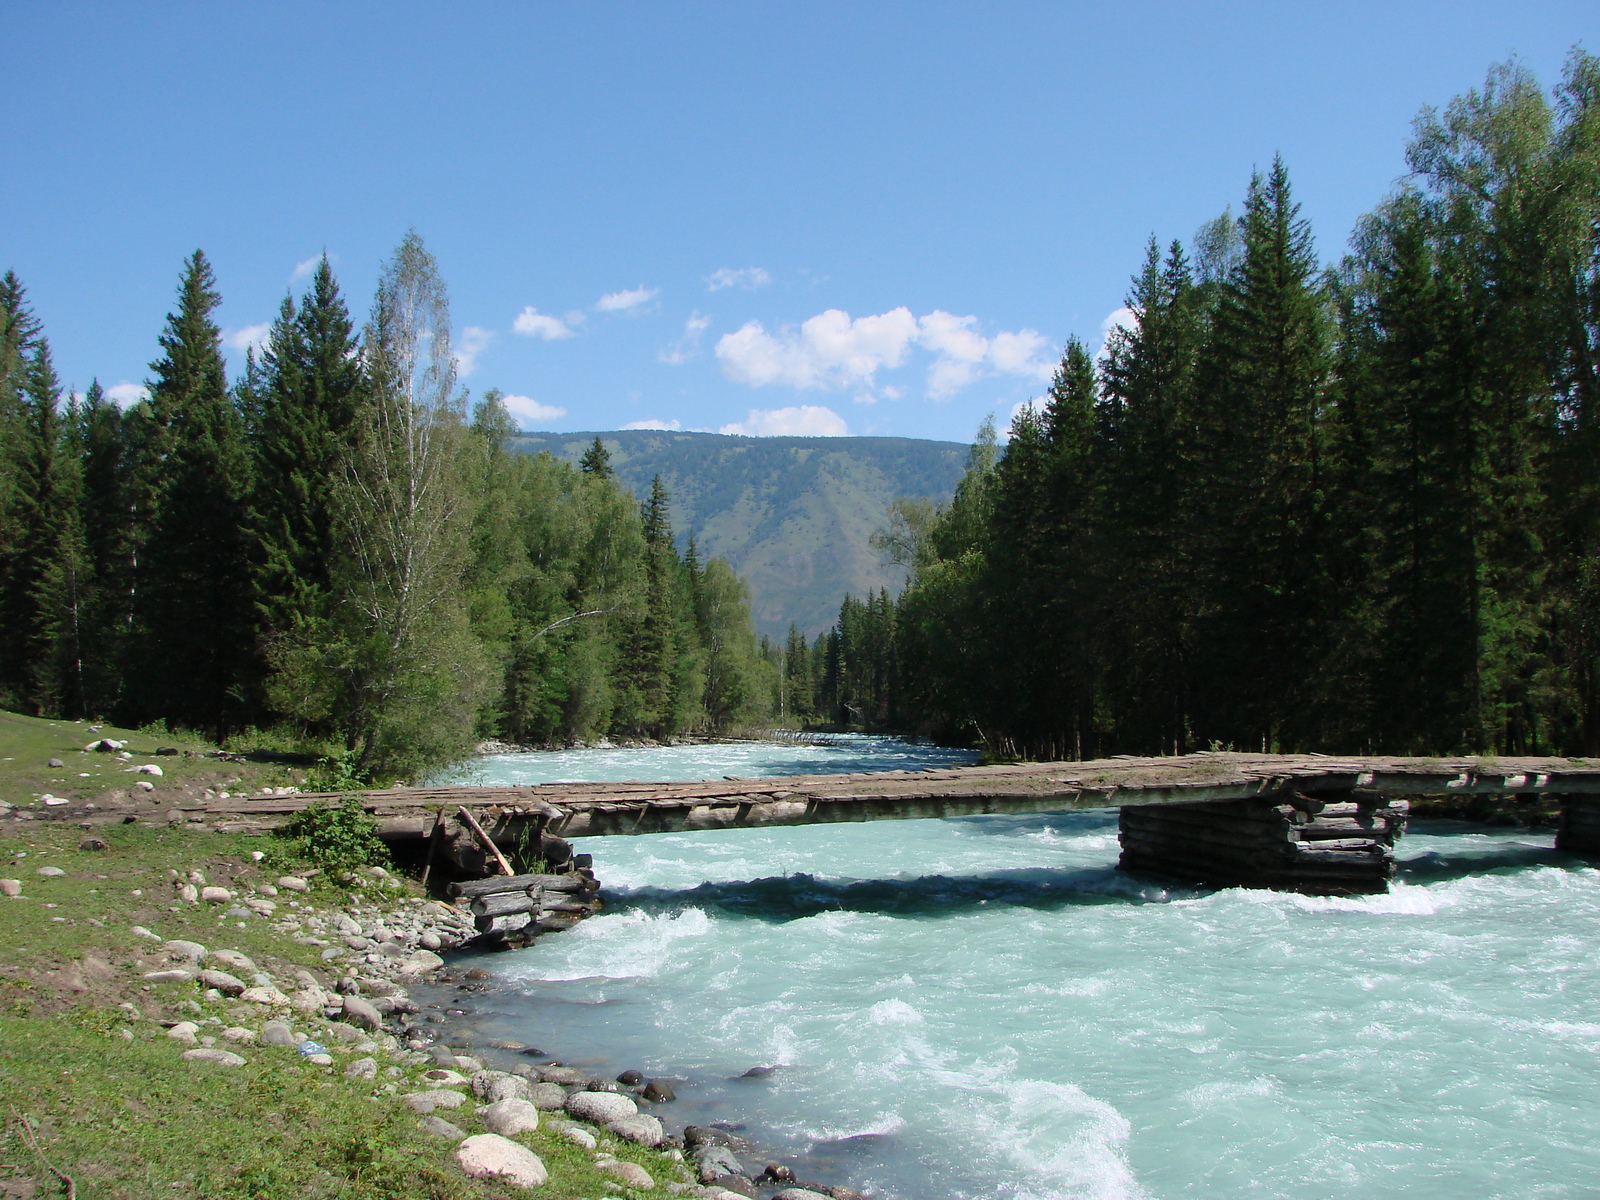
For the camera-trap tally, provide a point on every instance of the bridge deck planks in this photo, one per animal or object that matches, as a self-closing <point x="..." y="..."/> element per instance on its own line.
<point x="637" y="807"/>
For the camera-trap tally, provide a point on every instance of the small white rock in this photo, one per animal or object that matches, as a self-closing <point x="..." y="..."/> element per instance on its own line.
<point x="223" y="1058"/>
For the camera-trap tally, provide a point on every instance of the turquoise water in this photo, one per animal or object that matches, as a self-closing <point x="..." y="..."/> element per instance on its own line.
<point x="984" y="1007"/>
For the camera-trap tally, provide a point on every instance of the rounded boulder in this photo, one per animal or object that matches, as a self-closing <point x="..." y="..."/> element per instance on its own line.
<point x="601" y="1108"/>
<point x="490" y="1156"/>
<point x="510" y="1117"/>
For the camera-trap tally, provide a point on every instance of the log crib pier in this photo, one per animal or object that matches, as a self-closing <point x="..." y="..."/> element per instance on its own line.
<point x="1308" y="823"/>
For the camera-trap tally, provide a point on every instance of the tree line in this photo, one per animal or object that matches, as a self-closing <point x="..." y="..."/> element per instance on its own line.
<point x="1291" y="506"/>
<point x="339" y="547"/>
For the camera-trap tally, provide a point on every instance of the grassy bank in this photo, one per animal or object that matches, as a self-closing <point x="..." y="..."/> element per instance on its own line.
<point x="95" y="1087"/>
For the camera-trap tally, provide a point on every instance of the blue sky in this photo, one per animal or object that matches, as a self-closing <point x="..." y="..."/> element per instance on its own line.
<point x="872" y="218"/>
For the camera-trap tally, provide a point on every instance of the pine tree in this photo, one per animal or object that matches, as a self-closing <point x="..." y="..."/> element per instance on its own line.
<point x="194" y="615"/>
<point x="306" y="398"/>
<point x="596" y="460"/>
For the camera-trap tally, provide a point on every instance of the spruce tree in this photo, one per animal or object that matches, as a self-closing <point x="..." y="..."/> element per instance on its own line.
<point x="194" y="616"/>
<point x="596" y="460"/>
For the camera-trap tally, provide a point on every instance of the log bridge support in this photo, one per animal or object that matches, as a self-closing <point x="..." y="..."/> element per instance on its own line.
<point x="1308" y="823"/>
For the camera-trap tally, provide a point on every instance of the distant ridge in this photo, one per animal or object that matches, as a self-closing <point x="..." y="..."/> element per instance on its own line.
<point x="791" y="514"/>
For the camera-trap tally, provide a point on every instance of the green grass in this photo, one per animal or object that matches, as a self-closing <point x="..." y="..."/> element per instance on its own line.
<point x="126" y="1116"/>
<point x="27" y="744"/>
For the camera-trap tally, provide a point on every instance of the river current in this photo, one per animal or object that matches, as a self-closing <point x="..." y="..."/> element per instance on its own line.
<point x="984" y="1007"/>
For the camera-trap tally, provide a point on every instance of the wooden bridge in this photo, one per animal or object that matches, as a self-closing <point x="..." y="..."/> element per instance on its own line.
<point x="1310" y="823"/>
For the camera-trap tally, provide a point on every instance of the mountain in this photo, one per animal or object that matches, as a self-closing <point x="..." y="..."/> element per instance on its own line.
<point x="791" y="514"/>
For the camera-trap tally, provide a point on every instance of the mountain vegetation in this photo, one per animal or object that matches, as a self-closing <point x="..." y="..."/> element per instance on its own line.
<point x="1352" y="507"/>
<point x="793" y="515"/>
<point x="339" y="547"/>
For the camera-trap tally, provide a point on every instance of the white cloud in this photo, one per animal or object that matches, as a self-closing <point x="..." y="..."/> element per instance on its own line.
<point x="626" y="300"/>
<point x="805" y="420"/>
<point x="652" y="423"/>
<point x="1122" y="318"/>
<point x="688" y="345"/>
<point x="251" y="337"/>
<point x="125" y="395"/>
<point x="1038" y="404"/>
<point x="472" y="342"/>
<point x="831" y="350"/>
<point x="302" y="270"/>
<point x="529" y="412"/>
<point x="531" y="322"/>
<point x="748" y="278"/>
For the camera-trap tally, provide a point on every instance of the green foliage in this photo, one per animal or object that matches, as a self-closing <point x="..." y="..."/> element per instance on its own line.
<point x="1293" y="508"/>
<point x="338" y="838"/>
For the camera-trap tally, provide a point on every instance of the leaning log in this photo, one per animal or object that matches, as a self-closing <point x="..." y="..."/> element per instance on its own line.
<point x="573" y="881"/>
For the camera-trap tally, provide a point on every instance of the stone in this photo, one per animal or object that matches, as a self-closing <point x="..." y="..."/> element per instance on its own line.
<point x="631" y="1078"/>
<point x="734" y="1186"/>
<point x="659" y="1091"/>
<point x="498" y="1085"/>
<point x="713" y="1162"/>
<point x="185" y="1031"/>
<point x="293" y="883"/>
<point x="10" y="887"/>
<point x="629" y="1173"/>
<point x="148" y="935"/>
<point x="50" y="872"/>
<point x="642" y="1130"/>
<point x="189" y="894"/>
<point x="215" y="895"/>
<point x="347" y="1034"/>
<point x="166" y="752"/>
<point x="190" y="950"/>
<point x="232" y="960"/>
<point x="227" y="984"/>
<point x="426" y="1102"/>
<point x="576" y="1133"/>
<point x="94" y="844"/>
<point x="149" y="769"/>
<point x="431" y="940"/>
<point x="795" y="1193"/>
<point x="490" y="1156"/>
<point x="419" y="962"/>
<point x="310" y="1001"/>
<point x="548" y="1096"/>
<point x="362" y="1068"/>
<point x="566" y="1076"/>
<point x="176" y="975"/>
<point x="264" y="995"/>
<point x="445" y="1078"/>
<point x="358" y="1012"/>
<point x="439" y="1127"/>
<point x="600" y="1108"/>
<point x="277" y="1033"/>
<point x="55" y="763"/>
<point x="510" y="1117"/>
<point x="223" y="1058"/>
<point x="238" y="1033"/>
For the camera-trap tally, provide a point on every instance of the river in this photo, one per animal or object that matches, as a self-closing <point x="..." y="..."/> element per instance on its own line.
<point x="984" y="1007"/>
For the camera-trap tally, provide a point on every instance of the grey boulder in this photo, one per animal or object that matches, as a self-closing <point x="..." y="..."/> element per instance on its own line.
<point x="510" y="1117"/>
<point x="490" y="1156"/>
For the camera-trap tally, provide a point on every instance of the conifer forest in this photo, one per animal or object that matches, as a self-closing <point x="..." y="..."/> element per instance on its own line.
<point x="1293" y="506"/>
<point x="339" y="547"/>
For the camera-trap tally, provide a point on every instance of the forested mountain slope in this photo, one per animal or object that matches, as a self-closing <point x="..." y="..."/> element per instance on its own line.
<point x="793" y="515"/>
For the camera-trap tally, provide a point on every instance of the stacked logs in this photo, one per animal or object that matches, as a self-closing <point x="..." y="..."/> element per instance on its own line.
<point x="551" y="902"/>
<point x="1323" y="845"/>
<point x="1579" y="831"/>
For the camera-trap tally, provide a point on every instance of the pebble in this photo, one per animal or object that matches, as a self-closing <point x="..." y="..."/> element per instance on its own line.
<point x="189" y="894"/>
<point x="293" y="883"/>
<point x="629" y="1173"/>
<point x="361" y="1014"/>
<point x="215" y="895"/>
<point x="490" y="1156"/>
<point x="223" y="1058"/>
<point x="659" y="1091"/>
<point x="10" y="887"/>
<point x="320" y="1060"/>
<point x="362" y="1068"/>
<point x="148" y="935"/>
<point x="191" y="950"/>
<point x="265" y="995"/>
<point x="439" y="1127"/>
<point x="426" y="1102"/>
<point x="184" y="1031"/>
<point x="276" y="1033"/>
<point x="800" y="1194"/>
<point x="55" y="762"/>
<point x="642" y="1129"/>
<point x="600" y="1107"/>
<point x="176" y="975"/>
<point x="238" y="1033"/>
<point x="144" y="785"/>
<point x="510" y="1117"/>
<point x="50" y="872"/>
<point x="232" y="960"/>
<point x="574" y="1133"/>
<point x="222" y="981"/>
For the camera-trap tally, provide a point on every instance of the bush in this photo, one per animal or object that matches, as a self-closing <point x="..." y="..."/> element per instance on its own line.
<point x="336" y="837"/>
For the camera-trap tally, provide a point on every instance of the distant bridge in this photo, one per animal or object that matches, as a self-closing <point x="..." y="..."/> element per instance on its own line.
<point x="1311" y="823"/>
